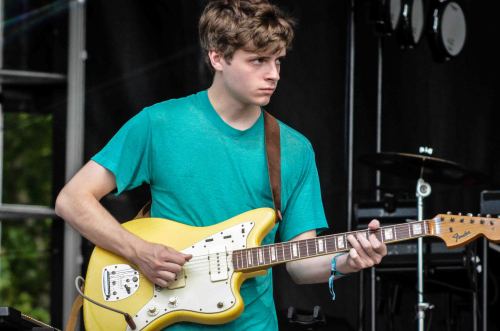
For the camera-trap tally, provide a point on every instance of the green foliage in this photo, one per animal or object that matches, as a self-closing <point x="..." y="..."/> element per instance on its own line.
<point x="25" y="244"/>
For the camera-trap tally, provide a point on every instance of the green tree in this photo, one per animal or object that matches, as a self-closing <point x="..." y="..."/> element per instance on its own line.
<point x="25" y="244"/>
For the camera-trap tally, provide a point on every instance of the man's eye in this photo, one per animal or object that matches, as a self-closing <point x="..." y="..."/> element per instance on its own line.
<point x="258" y="61"/>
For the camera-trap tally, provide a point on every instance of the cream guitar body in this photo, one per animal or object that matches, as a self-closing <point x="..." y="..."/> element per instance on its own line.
<point x="206" y="292"/>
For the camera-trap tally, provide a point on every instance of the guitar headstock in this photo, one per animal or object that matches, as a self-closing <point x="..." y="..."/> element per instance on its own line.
<point x="458" y="230"/>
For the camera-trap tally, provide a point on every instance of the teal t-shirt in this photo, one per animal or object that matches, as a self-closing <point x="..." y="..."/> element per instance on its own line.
<point x="202" y="171"/>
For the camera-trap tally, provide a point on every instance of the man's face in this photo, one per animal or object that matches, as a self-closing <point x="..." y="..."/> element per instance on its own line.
<point x="252" y="77"/>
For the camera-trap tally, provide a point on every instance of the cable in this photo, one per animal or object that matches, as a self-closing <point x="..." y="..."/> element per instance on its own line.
<point x="80" y="283"/>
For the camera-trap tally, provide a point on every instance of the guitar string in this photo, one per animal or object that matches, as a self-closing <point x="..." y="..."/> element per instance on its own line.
<point x="204" y="262"/>
<point x="308" y="242"/>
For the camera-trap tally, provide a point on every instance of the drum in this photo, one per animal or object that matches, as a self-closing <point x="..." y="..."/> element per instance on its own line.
<point x="448" y="30"/>
<point x="411" y="23"/>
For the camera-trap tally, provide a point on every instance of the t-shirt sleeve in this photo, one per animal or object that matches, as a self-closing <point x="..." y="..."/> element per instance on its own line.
<point x="304" y="208"/>
<point x="127" y="154"/>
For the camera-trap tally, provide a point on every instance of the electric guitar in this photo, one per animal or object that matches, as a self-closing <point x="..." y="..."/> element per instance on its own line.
<point x="224" y="255"/>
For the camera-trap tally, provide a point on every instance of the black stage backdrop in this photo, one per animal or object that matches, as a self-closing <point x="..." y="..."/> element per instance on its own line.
<point x="143" y="52"/>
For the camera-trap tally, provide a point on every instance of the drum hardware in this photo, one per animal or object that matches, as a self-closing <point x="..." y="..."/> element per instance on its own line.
<point x="307" y="320"/>
<point x="448" y="31"/>
<point x="424" y="168"/>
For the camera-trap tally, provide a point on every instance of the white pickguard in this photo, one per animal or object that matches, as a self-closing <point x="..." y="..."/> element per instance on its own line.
<point x="205" y="284"/>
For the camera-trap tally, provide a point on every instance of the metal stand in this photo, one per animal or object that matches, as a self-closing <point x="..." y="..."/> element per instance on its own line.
<point x="423" y="191"/>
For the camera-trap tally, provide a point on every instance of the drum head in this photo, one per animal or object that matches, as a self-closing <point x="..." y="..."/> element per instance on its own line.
<point x="394" y="13"/>
<point x="417" y="20"/>
<point x="412" y="23"/>
<point x="453" y="28"/>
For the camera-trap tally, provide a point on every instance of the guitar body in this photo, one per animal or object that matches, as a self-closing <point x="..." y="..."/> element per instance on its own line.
<point x="207" y="291"/>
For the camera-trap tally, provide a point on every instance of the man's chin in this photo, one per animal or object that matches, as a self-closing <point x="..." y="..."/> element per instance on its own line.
<point x="262" y="101"/>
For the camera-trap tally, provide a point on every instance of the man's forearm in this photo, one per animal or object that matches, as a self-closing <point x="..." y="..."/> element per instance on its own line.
<point x="84" y="212"/>
<point x="316" y="269"/>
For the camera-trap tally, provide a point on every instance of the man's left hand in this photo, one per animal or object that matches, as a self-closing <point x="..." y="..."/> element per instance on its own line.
<point x="365" y="252"/>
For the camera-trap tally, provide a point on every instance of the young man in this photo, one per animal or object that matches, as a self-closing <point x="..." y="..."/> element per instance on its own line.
<point x="204" y="159"/>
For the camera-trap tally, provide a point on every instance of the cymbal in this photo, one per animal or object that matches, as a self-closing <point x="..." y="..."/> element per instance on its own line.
<point x="432" y="169"/>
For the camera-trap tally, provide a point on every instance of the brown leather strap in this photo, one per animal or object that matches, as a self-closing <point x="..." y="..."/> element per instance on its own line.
<point x="145" y="211"/>
<point x="273" y="154"/>
<point x="73" y="315"/>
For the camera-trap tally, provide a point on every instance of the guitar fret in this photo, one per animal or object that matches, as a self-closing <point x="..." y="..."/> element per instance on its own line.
<point x="320" y="244"/>
<point x="249" y="254"/>
<point x="261" y="257"/>
<point x="340" y="241"/>
<point x="266" y="254"/>
<point x="295" y="251"/>
<point x="329" y="242"/>
<point x="313" y="241"/>
<point x="273" y="253"/>
<point x="242" y="259"/>
<point x="416" y="229"/>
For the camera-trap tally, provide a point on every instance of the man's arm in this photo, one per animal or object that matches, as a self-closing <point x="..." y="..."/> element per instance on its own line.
<point x="364" y="254"/>
<point x="78" y="204"/>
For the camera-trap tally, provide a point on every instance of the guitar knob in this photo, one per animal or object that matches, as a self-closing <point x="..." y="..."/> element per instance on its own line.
<point x="172" y="302"/>
<point x="152" y="311"/>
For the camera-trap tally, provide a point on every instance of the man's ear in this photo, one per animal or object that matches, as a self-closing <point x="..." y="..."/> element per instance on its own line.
<point x="216" y="60"/>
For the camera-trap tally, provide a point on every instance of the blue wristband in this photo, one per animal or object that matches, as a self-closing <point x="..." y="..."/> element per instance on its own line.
<point x="334" y="273"/>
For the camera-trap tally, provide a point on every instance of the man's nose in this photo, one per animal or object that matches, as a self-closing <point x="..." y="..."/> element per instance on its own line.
<point x="273" y="72"/>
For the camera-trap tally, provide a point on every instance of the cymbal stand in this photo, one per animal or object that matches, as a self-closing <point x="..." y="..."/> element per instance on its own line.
<point x="423" y="191"/>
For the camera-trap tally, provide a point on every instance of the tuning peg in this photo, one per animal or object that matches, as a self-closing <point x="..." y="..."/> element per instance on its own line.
<point x="479" y="215"/>
<point x="488" y="215"/>
<point x="459" y="214"/>
<point x="448" y="213"/>
<point x="469" y="214"/>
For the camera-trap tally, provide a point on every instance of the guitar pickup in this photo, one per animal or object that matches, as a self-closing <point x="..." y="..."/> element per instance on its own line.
<point x="218" y="266"/>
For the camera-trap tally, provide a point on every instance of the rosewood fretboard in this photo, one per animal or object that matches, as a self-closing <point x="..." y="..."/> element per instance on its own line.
<point x="262" y="257"/>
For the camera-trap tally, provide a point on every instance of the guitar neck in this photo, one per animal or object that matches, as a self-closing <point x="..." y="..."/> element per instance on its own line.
<point x="263" y="257"/>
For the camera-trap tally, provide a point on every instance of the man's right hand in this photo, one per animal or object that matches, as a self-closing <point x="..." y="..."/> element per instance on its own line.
<point x="160" y="264"/>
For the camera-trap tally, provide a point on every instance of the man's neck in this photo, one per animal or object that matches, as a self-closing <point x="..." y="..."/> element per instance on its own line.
<point x="236" y="114"/>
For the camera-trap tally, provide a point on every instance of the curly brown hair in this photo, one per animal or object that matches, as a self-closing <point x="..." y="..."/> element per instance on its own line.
<point x="253" y="25"/>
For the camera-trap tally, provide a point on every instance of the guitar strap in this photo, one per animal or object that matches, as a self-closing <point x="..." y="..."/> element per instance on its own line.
<point x="273" y="157"/>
